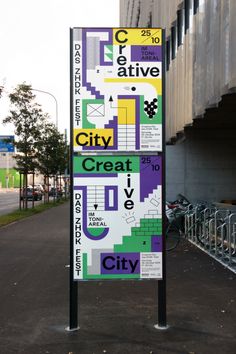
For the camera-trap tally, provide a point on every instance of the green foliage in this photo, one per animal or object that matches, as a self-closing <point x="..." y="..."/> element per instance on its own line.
<point x="51" y="151"/>
<point x="39" y="144"/>
<point x="27" y="117"/>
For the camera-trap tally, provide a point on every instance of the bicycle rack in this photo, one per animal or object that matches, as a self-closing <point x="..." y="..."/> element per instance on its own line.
<point x="214" y="231"/>
<point x="231" y="238"/>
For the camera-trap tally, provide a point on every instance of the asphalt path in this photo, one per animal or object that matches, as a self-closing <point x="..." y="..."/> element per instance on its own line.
<point x="9" y="201"/>
<point x="115" y="317"/>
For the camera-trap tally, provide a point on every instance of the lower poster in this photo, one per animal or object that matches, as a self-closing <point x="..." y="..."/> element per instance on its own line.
<point x="117" y="217"/>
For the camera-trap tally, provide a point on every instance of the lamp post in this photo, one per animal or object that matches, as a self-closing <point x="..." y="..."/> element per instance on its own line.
<point x="50" y="94"/>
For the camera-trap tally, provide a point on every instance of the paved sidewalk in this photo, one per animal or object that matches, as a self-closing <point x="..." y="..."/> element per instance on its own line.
<point x="115" y="317"/>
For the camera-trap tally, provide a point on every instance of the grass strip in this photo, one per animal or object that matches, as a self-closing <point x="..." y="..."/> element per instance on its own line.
<point x="24" y="213"/>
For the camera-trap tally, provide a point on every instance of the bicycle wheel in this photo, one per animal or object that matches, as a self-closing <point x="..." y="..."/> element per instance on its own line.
<point x="172" y="237"/>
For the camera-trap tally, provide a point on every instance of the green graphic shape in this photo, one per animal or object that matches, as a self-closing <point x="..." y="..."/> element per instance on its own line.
<point x="141" y="237"/>
<point x="157" y="118"/>
<point x="109" y="47"/>
<point x="106" y="164"/>
<point x="95" y="231"/>
<point x="109" y="54"/>
<point x="85" y="119"/>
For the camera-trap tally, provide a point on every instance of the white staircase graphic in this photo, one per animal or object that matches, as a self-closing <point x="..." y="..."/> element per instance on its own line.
<point x="152" y="214"/>
<point x="95" y="198"/>
<point x="126" y="136"/>
<point x="153" y="202"/>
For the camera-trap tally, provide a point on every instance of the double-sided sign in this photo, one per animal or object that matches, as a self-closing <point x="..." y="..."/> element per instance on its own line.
<point x="117" y="108"/>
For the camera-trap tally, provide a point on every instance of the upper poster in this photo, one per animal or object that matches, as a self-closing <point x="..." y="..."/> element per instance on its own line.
<point x="117" y="89"/>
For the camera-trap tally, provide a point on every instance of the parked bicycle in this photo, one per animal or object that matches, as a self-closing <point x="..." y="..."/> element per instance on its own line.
<point x="175" y="216"/>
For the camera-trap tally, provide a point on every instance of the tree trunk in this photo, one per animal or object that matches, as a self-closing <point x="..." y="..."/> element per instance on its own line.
<point x="33" y="192"/>
<point x="20" y="191"/>
<point x="26" y="193"/>
<point x="54" y="188"/>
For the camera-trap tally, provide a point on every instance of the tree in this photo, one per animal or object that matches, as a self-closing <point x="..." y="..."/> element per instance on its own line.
<point x="51" y="151"/>
<point x="27" y="117"/>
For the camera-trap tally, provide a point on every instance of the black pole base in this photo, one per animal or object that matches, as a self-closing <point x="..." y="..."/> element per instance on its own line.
<point x="68" y="329"/>
<point x="161" y="328"/>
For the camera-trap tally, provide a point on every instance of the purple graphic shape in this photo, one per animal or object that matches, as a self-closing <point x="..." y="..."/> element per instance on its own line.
<point x="97" y="148"/>
<point x="85" y="220"/>
<point x="156" y="244"/>
<point x="137" y="117"/>
<point x="149" y="177"/>
<point x="111" y="125"/>
<point x="86" y="84"/>
<point x="102" y="49"/>
<point x="120" y="263"/>
<point x="95" y="175"/>
<point x="150" y="53"/>
<point x="93" y="91"/>
<point x="115" y="198"/>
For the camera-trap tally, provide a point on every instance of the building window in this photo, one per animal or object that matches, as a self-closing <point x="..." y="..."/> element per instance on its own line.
<point x="149" y="24"/>
<point x="186" y="14"/>
<point x="195" y="6"/>
<point x="180" y="26"/>
<point x="173" y="41"/>
<point x="167" y="54"/>
<point x="138" y="16"/>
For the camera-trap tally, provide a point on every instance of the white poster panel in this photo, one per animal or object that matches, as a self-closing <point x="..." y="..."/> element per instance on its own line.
<point x="117" y="89"/>
<point x="117" y="217"/>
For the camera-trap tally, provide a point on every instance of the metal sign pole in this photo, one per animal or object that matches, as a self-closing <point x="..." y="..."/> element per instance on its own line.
<point x="162" y="322"/>
<point x="73" y="310"/>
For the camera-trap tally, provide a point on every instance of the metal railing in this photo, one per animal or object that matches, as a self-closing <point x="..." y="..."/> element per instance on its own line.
<point x="214" y="231"/>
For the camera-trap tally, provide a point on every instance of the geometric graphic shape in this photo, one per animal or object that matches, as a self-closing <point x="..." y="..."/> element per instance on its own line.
<point x="111" y="198"/>
<point x="126" y="111"/>
<point x="117" y="80"/>
<point x="95" y="110"/>
<point x="93" y="137"/>
<point x="150" y="108"/>
<point x="156" y="244"/>
<point x="145" y="53"/>
<point x="128" y="263"/>
<point x="138" y="36"/>
<point x="109" y="56"/>
<point x="117" y="219"/>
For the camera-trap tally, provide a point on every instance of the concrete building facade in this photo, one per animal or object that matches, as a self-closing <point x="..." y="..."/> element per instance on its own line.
<point x="200" y="92"/>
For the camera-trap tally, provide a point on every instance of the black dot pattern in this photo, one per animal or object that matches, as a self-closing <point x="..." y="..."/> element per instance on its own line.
<point x="150" y="108"/>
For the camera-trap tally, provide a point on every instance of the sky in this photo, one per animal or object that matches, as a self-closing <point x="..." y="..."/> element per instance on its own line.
<point x="34" y="48"/>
